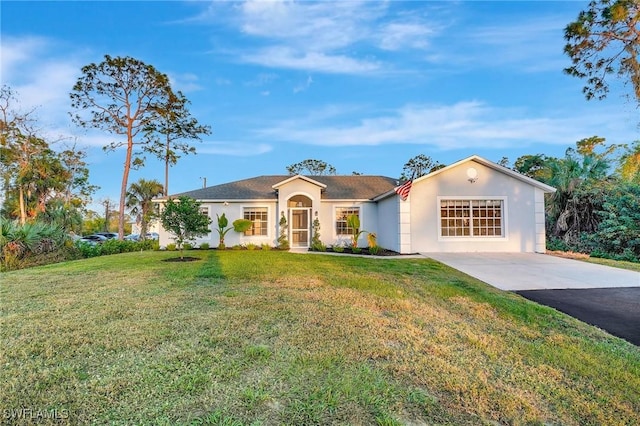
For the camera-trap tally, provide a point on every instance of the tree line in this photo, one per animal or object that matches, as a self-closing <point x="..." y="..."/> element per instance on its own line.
<point x="594" y="209"/>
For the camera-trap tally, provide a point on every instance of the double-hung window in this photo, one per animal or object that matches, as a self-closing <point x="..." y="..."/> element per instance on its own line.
<point x="259" y="217"/>
<point x="472" y="218"/>
<point x="342" y="213"/>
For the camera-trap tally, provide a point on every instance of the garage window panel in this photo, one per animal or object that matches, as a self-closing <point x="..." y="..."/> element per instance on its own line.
<point x="471" y="218"/>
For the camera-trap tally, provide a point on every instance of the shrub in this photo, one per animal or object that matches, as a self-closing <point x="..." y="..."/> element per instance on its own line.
<point x="318" y="246"/>
<point x="252" y="246"/>
<point x="204" y="246"/>
<point x="283" y="243"/>
<point x="21" y="242"/>
<point x="242" y="225"/>
<point x="556" y="244"/>
<point x="187" y="246"/>
<point x="356" y="250"/>
<point x="372" y="240"/>
<point x="374" y="250"/>
<point x="171" y="247"/>
<point x="266" y="247"/>
<point x="338" y="248"/>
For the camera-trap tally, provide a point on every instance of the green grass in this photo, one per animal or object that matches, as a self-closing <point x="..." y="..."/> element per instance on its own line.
<point x="632" y="266"/>
<point x="269" y="337"/>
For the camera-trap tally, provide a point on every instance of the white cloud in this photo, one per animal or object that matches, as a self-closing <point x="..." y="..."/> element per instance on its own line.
<point x="310" y="25"/>
<point x="524" y="44"/>
<point x="186" y="82"/>
<point x="233" y="148"/>
<point x="464" y="125"/>
<point x="285" y="57"/>
<point x="42" y="81"/>
<point x="339" y="37"/>
<point x="262" y="79"/>
<point x="400" y="35"/>
<point x="16" y="52"/>
<point x="303" y="86"/>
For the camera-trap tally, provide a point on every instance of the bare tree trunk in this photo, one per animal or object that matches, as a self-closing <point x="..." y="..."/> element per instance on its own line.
<point x="125" y="179"/>
<point x="166" y="170"/>
<point x="23" y="213"/>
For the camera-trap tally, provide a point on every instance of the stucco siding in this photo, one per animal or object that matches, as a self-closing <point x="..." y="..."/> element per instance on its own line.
<point x="519" y="215"/>
<point x="388" y="224"/>
<point x="232" y="211"/>
<point x="327" y="216"/>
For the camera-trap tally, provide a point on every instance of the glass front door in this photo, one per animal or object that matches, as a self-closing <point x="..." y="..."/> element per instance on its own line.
<point x="299" y="220"/>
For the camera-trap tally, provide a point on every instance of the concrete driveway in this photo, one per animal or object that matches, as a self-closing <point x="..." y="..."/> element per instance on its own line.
<point x="533" y="271"/>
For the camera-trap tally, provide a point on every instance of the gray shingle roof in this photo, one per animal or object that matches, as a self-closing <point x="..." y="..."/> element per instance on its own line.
<point x="260" y="187"/>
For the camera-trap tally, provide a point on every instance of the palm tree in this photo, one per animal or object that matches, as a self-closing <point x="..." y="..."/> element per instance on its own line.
<point x="576" y="179"/>
<point x="139" y="200"/>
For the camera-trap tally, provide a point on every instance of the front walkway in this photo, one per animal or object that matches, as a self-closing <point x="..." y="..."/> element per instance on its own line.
<point x="533" y="271"/>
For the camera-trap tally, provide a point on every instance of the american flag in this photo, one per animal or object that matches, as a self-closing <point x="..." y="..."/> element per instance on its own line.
<point x="403" y="190"/>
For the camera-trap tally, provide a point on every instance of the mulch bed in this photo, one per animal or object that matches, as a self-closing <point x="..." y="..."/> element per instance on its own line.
<point x="365" y="251"/>
<point x="183" y="259"/>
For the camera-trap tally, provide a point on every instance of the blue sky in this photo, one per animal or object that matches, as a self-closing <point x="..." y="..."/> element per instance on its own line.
<point x="362" y="85"/>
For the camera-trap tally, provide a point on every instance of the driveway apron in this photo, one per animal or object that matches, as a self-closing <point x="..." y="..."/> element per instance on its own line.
<point x="599" y="295"/>
<point x="533" y="271"/>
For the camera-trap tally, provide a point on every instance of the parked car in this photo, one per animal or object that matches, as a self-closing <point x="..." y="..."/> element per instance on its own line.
<point x="94" y="239"/>
<point x="152" y="236"/>
<point x="132" y="237"/>
<point x="109" y="235"/>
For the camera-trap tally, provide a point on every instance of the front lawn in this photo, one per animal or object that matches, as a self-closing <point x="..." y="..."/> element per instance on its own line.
<point x="268" y="337"/>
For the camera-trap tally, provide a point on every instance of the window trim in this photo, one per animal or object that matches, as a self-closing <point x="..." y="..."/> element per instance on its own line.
<point x="244" y="235"/>
<point x="336" y="235"/>
<point x="471" y="238"/>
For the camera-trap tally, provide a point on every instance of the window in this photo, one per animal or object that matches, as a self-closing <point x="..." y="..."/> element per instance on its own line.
<point x="257" y="215"/>
<point x="342" y="213"/>
<point x="204" y="211"/>
<point x="471" y="218"/>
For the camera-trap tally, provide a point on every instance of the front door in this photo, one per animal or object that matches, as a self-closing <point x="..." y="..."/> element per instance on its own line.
<point x="299" y="220"/>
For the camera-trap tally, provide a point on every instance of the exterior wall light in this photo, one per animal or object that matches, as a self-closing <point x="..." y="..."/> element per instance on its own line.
<point x="472" y="174"/>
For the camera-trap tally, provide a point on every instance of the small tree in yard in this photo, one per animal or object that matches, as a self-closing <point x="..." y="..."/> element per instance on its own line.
<point x="283" y="242"/>
<point x="353" y="222"/>
<point x="239" y="225"/>
<point x="316" y="242"/>
<point x="223" y="224"/>
<point x="183" y="219"/>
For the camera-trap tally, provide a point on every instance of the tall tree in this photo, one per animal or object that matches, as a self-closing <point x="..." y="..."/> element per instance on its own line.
<point x="139" y="200"/>
<point x="124" y="96"/>
<point x="604" y="40"/>
<point x="537" y="166"/>
<point x="578" y="179"/>
<point x="18" y="146"/>
<point x="629" y="167"/>
<point x="311" y="167"/>
<point x="78" y="190"/>
<point x="419" y="165"/>
<point x="176" y="125"/>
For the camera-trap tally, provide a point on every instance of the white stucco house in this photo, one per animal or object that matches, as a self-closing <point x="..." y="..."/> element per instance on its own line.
<point x="473" y="205"/>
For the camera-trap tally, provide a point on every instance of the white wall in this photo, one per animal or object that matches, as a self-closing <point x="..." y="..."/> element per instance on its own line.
<point x="232" y="211"/>
<point x="388" y="223"/>
<point x="327" y="216"/>
<point x="521" y="232"/>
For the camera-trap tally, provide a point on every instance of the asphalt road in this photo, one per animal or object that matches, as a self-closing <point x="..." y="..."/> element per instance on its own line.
<point x="616" y="310"/>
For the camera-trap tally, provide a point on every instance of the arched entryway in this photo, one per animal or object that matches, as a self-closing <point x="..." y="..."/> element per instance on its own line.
<point x="299" y="207"/>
